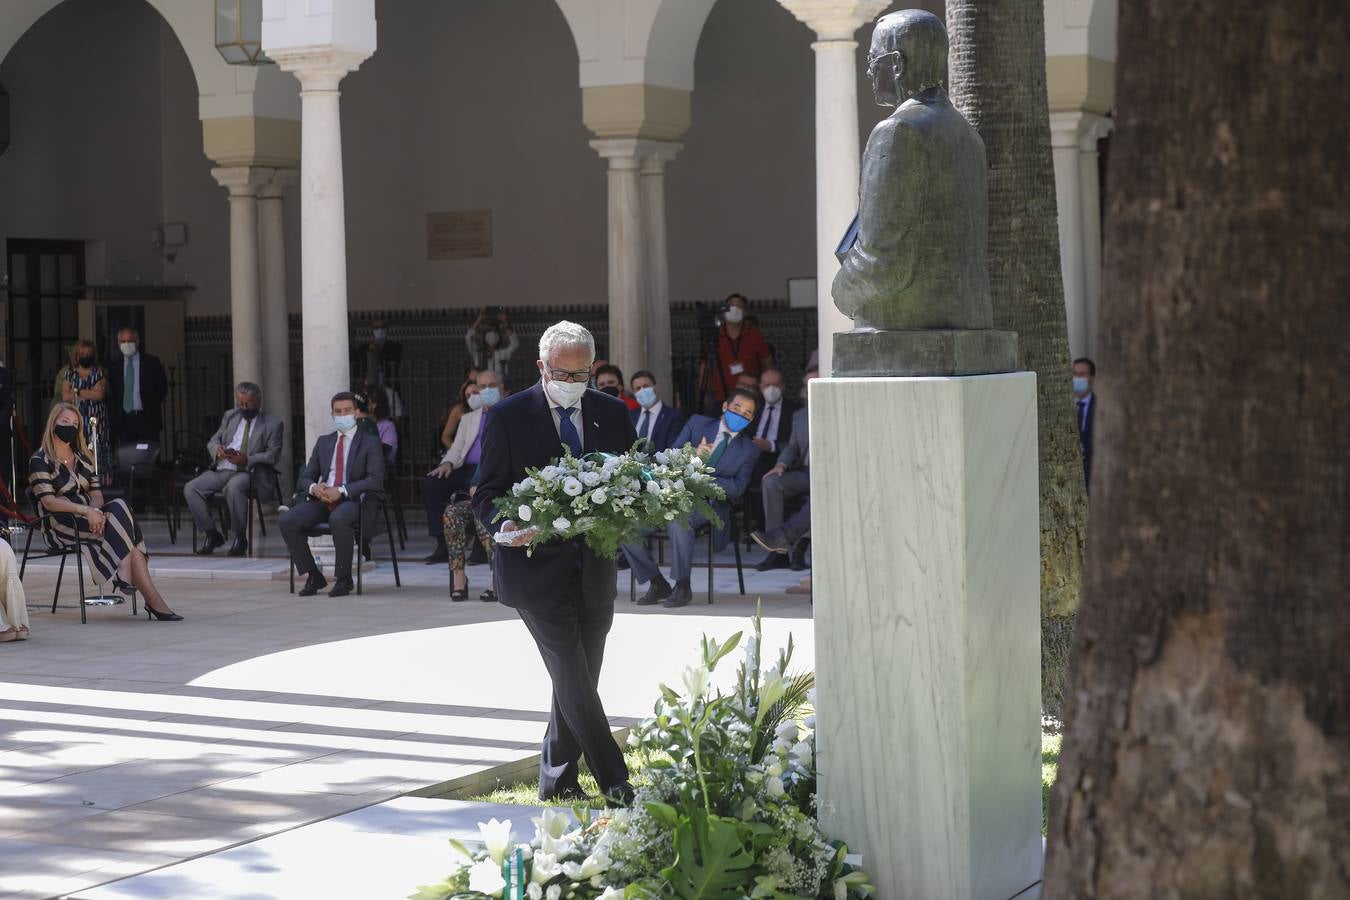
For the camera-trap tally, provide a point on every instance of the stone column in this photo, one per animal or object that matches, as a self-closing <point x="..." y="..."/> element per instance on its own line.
<point x="245" y="313"/>
<point x="1089" y="193"/>
<point x="323" y="239"/>
<point x="628" y="282"/>
<point x="657" y="299"/>
<point x="838" y="153"/>
<point x="1073" y="141"/>
<point x="276" y="378"/>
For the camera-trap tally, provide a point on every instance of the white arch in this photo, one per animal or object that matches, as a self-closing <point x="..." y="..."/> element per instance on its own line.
<point x="223" y="90"/>
<point x="636" y="41"/>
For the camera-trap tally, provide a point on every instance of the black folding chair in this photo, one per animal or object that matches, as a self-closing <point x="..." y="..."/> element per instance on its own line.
<point x="706" y="529"/>
<point x="367" y="499"/>
<point x="55" y="545"/>
<point x="138" y="464"/>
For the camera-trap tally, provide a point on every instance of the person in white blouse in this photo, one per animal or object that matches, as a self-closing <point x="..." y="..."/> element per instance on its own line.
<point x="13" y="602"/>
<point x="491" y="340"/>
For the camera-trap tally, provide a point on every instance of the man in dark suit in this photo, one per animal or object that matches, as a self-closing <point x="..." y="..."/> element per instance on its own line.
<point x="247" y="437"/>
<point x="137" y="387"/>
<point x="1084" y="371"/>
<point x="789" y="477"/>
<point x="724" y="445"/>
<point x="343" y="466"/>
<point x="771" y="430"/>
<point x="564" y="593"/>
<point x="657" y="424"/>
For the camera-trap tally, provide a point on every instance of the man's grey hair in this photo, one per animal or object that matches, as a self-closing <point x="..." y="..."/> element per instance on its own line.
<point x="248" y="387"/>
<point x="566" y="336"/>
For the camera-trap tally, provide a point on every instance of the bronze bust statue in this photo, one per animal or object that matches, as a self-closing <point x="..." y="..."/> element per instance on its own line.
<point x="915" y="281"/>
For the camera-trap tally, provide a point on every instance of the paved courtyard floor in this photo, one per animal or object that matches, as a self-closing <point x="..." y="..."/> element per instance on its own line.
<point x="128" y="745"/>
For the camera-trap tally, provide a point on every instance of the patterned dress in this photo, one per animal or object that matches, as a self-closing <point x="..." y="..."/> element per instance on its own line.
<point x="93" y="409"/>
<point x="457" y="519"/>
<point x="48" y="477"/>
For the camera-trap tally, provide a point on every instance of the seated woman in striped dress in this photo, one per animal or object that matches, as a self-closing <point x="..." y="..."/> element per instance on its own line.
<point x="61" y="475"/>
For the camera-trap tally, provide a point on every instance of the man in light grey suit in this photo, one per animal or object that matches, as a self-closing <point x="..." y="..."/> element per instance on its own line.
<point x="247" y="437"/>
<point x="789" y="477"/>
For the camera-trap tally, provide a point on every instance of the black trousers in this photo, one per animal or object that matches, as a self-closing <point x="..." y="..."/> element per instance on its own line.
<point x="436" y="496"/>
<point x="342" y="520"/>
<point x="571" y="640"/>
<point x="137" y="429"/>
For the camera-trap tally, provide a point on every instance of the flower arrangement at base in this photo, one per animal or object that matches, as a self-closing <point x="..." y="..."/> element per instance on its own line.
<point x="609" y="499"/>
<point x="728" y="813"/>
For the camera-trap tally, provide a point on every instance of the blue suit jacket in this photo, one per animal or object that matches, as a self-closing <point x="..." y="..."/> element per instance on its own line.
<point x="733" y="469"/>
<point x="521" y="433"/>
<point x="667" y="427"/>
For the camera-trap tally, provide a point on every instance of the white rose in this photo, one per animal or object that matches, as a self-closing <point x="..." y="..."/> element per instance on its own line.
<point x="590" y="479"/>
<point x="572" y="487"/>
<point x="598" y="496"/>
<point x="774" y="786"/>
<point x="524" y="513"/>
<point x="662" y="457"/>
<point x="679" y="485"/>
<point x="787" y="732"/>
<point x="653" y="488"/>
<point x="561" y="524"/>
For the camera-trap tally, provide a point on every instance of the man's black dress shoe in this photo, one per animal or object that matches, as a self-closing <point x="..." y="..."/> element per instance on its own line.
<point x="620" y="796"/>
<point x="239" y="547"/>
<point x="775" y="541"/>
<point x="773" y="561"/>
<point x="680" y="596"/>
<point x="213" y="540"/>
<point x="342" y="587"/>
<point x="313" y="584"/>
<point x="659" y="590"/>
<point x="570" y="794"/>
<point x="798" y="557"/>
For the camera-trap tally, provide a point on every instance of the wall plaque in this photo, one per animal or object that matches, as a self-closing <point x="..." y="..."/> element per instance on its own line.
<point x="460" y="234"/>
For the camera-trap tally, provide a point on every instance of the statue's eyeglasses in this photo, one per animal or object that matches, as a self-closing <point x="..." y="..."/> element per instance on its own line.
<point x="563" y="375"/>
<point x="874" y="61"/>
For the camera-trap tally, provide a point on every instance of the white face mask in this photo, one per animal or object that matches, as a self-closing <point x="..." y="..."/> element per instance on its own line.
<point x="128" y="348"/>
<point x="773" y="393"/>
<point x="565" y="393"/>
<point x="734" y="315"/>
<point x="475" y="401"/>
<point x="492" y="338"/>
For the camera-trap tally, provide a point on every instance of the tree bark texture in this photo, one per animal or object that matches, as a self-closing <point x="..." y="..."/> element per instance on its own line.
<point x="997" y="80"/>
<point x="1207" y="744"/>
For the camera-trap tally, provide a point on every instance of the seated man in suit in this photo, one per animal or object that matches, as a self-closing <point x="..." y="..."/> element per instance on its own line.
<point x="788" y="477"/>
<point x="247" y="437"/>
<point x="343" y="466"/>
<point x="770" y="431"/>
<point x="656" y="423"/>
<point x="724" y="445"/>
<point x="458" y="463"/>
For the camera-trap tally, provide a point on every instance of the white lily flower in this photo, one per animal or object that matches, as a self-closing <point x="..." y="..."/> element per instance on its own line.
<point x="546" y="867"/>
<point x="572" y="487"/>
<point x="593" y="865"/>
<point x="486" y="878"/>
<point x="496" y="838"/>
<point x="558" y="846"/>
<point x="611" y="893"/>
<point x="524" y="513"/>
<point x="696" y="681"/>
<point x="534" y="891"/>
<point x="551" y="822"/>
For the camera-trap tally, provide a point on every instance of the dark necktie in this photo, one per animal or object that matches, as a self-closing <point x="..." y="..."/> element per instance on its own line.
<point x="1082" y="415"/>
<point x="642" y="425"/>
<point x="567" y="431"/>
<point x="719" y="450"/>
<point x="339" y="468"/>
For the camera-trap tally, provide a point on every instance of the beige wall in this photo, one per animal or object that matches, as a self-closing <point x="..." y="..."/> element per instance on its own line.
<point x="466" y="105"/>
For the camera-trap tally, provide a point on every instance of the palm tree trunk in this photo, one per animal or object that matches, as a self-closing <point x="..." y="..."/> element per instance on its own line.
<point x="997" y="80"/>
<point x="1208" y="733"/>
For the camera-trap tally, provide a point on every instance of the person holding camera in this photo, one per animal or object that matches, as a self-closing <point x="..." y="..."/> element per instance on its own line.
<point x="491" y="340"/>
<point x="741" y="349"/>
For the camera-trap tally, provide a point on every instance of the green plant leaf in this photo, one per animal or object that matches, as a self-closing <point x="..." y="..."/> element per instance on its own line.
<point x="664" y="813"/>
<point x="711" y="862"/>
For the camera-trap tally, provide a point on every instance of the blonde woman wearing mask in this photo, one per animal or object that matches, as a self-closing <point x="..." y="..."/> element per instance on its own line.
<point x="62" y="478"/>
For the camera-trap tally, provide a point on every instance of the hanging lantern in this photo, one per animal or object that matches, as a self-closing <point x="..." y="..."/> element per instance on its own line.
<point x="239" y="32"/>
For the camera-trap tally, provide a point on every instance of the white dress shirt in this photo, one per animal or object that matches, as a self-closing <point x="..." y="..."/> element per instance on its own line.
<point x="345" y="448"/>
<point x="236" y="443"/>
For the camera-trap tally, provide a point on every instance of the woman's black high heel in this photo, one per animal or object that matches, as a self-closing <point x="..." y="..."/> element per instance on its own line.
<point x="162" y="617"/>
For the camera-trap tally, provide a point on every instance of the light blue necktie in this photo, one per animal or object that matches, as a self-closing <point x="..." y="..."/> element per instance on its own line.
<point x="567" y="431"/>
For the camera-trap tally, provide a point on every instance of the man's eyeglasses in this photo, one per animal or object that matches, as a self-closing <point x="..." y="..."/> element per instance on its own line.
<point x="875" y="61"/>
<point x="563" y="375"/>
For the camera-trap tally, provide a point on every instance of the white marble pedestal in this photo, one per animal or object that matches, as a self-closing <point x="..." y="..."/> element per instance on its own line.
<point x="926" y="570"/>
